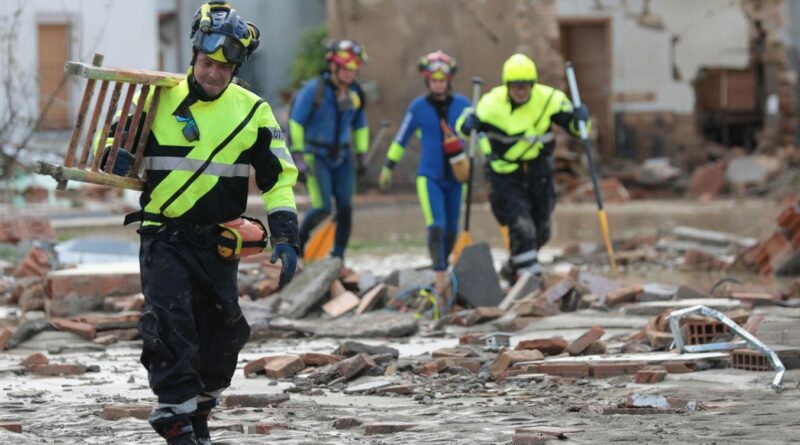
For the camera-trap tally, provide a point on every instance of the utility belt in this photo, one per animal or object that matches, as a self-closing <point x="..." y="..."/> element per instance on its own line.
<point x="331" y="151"/>
<point x="239" y="238"/>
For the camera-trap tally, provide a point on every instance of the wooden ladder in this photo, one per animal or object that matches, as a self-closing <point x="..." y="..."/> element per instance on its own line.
<point x="86" y="168"/>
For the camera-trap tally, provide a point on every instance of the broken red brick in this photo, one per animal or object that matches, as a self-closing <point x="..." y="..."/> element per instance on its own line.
<point x="34" y="359"/>
<point x="256" y="366"/>
<point x="483" y="314"/>
<point x="386" y="428"/>
<point x="603" y="370"/>
<point x="350" y="367"/>
<point x="32" y="298"/>
<point x="255" y="400"/>
<point x="658" y="339"/>
<point x="35" y="263"/>
<point x="429" y="368"/>
<point x="371" y="298"/>
<point x="584" y="341"/>
<point x="397" y="389"/>
<point x="116" y="412"/>
<point x="89" y="283"/>
<point x="284" y="366"/>
<point x="266" y="428"/>
<point x="678" y="367"/>
<point x="625" y="294"/>
<point x="597" y="348"/>
<point x="345" y="423"/>
<point x="5" y="336"/>
<point x="85" y="330"/>
<point x="336" y="289"/>
<point x="451" y="352"/>
<point x="547" y="346"/>
<point x="470" y="339"/>
<point x="57" y="369"/>
<point x="471" y="364"/>
<point x="341" y="304"/>
<point x="565" y="369"/>
<point x="508" y="358"/>
<point x="316" y="359"/>
<point x="650" y="374"/>
<point x="124" y="334"/>
<point x="530" y="438"/>
<point x="13" y="427"/>
<point x="537" y="307"/>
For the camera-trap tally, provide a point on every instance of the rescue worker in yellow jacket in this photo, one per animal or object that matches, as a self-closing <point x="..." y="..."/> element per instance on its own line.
<point x="516" y="119"/>
<point x="206" y="135"/>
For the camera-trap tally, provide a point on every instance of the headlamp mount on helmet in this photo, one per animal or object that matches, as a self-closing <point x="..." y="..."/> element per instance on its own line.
<point x="219" y="32"/>
<point x="345" y="53"/>
<point x="437" y="65"/>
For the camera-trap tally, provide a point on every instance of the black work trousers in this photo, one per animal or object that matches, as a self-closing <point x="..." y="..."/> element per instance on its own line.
<point x="192" y="326"/>
<point x="524" y="201"/>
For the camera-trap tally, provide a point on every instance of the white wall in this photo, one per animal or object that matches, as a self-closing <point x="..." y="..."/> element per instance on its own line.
<point x="712" y="33"/>
<point x="126" y="32"/>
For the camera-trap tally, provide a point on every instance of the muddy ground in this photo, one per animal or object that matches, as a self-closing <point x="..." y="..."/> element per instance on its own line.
<point x="739" y="406"/>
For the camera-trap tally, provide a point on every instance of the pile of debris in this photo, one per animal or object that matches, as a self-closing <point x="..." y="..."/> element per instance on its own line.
<point x="778" y="253"/>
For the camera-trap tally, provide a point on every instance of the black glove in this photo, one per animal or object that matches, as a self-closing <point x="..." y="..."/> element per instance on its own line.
<point x="471" y="122"/>
<point x="288" y="257"/>
<point x="361" y="165"/>
<point x="581" y="113"/>
<point x="122" y="163"/>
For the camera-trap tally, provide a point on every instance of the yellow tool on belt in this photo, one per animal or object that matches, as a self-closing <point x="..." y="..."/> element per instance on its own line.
<point x="241" y="238"/>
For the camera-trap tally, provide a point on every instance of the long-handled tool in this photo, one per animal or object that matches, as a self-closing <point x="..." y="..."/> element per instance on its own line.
<point x="601" y="213"/>
<point x="464" y="238"/>
<point x="321" y="242"/>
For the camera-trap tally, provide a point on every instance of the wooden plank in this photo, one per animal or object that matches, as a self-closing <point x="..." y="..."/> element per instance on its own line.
<point x="649" y="358"/>
<point x="151" y="112"/>
<point x="157" y="78"/>
<point x="98" y="107"/>
<point x="123" y="119"/>
<point x="112" y="109"/>
<point x="74" y="174"/>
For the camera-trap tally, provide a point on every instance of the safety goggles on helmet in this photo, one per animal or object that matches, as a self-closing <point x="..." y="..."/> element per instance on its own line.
<point x="347" y="54"/>
<point x="438" y="67"/>
<point x="232" y="48"/>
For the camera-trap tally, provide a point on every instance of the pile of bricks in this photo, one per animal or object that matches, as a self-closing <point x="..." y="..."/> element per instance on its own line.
<point x="14" y="230"/>
<point x="778" y="253"/>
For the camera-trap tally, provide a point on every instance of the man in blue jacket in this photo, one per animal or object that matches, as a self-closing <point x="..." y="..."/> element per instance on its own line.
<point x="326" y="124"/>
<point x="434" y="116"/>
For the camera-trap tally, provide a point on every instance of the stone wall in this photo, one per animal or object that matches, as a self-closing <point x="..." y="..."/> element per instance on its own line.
<point x="480" y="34"/>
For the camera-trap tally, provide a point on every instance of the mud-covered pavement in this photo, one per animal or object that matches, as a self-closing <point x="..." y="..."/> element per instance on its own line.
<point x="738" y="406"/>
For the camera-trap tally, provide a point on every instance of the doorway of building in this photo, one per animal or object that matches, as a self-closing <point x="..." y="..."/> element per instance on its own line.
<point x="587" y="44"/>
<point x="53" y="52"/>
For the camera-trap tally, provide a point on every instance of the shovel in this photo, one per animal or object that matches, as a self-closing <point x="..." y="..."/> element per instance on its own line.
<point x="464" y="238"/>
<point x="601" y="213"/>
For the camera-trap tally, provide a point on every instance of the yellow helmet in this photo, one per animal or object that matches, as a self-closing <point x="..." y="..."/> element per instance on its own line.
<point x="519" y="68"/>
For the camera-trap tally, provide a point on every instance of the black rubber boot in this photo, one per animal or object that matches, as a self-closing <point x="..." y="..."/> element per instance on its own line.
<point x="176" y="429"/>
<point x="200" y="422"/>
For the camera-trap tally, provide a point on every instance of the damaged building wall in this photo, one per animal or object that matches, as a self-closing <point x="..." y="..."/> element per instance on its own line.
<point x="480" y="34"/>
<point x="658" y="48"/>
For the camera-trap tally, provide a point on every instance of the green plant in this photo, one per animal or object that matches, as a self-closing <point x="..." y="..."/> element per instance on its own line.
<point x="310" y="58"/>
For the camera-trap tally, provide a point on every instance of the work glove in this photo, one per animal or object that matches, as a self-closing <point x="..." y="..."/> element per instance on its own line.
<point x="581" y="113"/>
<point x="361" y="164"/>
<point x="301" y="165"/>
<point x="471" y="122"/>
<point x="288" y="257"/>
<point x="385" y="178"/>
<point x="122" y="163"/>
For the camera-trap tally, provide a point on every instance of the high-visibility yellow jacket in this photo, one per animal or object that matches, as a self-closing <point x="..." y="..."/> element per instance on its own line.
<point x="514" y="134"/>
<point x="206" y="181"/>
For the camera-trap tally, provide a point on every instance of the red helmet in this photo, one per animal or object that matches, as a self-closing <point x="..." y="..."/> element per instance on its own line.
<point x="437" y="65"/>
<point x="346" y="53"/>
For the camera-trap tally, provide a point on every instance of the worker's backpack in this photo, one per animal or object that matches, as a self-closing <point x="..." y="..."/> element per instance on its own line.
<point x="319" y="96"/>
